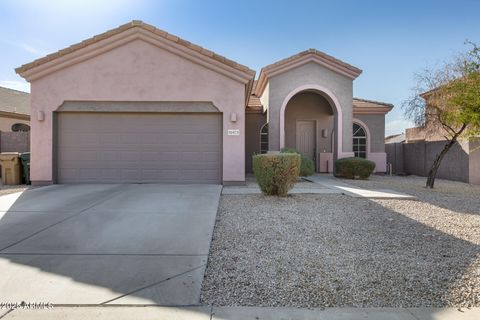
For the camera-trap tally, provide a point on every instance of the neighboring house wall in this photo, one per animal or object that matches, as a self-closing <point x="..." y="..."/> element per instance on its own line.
<point x="414" y="134"/>
<point x="137" y="71"/>
<point x="428" y="133"/>
<point x="7" y="122"/>
<point x="461" y="163"/>
<point x="253" y="125"/>
<point x="14" y="141"/>
<point x="281" y="85"/>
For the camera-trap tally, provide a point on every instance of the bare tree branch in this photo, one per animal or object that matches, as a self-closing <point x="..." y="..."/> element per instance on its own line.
<point x="446" y="102"/>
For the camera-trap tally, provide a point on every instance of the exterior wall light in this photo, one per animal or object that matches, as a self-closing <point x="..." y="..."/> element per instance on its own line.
<point x="233" y="117"/>
<point x="40" y="115"/>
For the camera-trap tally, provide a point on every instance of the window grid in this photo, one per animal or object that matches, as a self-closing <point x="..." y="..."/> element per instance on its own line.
<point x="359" y="141"/>
<point x="264" y="139"/>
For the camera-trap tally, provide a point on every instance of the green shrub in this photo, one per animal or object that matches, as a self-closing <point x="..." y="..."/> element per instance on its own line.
<point x="307" y="166"/>
<point x="276" y="173"/>
<point x="289" y="150"/>
<point x="353" y="168"/>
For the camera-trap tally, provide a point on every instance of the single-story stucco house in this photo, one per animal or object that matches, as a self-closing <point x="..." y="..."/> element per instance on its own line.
<point x="137" y="104"/>
<point x="14" y="110"/>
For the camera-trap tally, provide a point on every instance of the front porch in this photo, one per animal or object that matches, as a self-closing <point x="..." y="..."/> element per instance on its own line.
<point x="305" y="102"/>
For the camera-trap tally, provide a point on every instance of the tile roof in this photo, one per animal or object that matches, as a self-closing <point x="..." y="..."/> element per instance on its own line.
<point x="14" y="101"/>
<point x="130" y="25"/>
<point x="357" y="102"/>
<point x="254" y="102"/>
<point x="396" y="138"/>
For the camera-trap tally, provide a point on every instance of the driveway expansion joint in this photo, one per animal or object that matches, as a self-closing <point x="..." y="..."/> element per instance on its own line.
<point x="154" y="284"/>
<point x="410" y="312"/>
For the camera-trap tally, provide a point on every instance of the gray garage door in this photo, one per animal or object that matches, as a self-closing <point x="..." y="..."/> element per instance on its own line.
<point x="139" y="148"/>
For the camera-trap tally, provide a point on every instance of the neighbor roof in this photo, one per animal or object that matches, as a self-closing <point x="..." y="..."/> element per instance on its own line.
<point x="14" y="101"/>
<point x="127" y="26"/>
<point x="396" y="138"/>
<point x="304" y="57"/>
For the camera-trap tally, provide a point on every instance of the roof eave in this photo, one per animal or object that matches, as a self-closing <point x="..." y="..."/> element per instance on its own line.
<point x="372" y="110"/>
<point x="304" y="58"/>
<point x="15" y="115"/>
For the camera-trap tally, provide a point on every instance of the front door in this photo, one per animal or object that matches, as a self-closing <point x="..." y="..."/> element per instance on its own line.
<point x="306" y="138"/>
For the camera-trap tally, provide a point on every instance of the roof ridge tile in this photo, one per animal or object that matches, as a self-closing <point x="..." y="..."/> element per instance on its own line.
<point x="124" y="27"/>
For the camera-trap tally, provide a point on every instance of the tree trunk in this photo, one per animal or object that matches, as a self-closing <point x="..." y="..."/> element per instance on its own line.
<point x="438" y="160"/>
<point x="436" y="164"/>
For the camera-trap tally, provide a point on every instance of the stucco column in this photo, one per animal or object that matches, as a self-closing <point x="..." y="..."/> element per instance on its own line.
<point x="233" y="150"/>
<point x="274" y="126"/>
<point x="346" y="127"/>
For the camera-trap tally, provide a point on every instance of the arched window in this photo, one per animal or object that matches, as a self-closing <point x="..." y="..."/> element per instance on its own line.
<point x="20" y="127"/>
<point x="264" y="138"/>
<point x="359" y="141"/>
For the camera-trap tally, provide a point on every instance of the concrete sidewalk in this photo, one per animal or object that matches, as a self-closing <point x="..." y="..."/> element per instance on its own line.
<point x="330" y="182"/>
<point x="241" y="313"/>
<point x="256" y="190"/>
<point x="301" y="187"/>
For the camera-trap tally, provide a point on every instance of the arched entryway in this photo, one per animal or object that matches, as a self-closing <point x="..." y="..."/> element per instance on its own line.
<point x="309" y="122"/>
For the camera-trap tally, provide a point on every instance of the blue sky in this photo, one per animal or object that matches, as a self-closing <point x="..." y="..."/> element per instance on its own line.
<point x="388" y="40"/>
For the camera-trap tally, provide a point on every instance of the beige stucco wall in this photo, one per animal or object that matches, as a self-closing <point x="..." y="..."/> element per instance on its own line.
<point x="6" y="123"/>
<point x="311" y="73"/>
<point x="376" y="127"/>
<point x="309" y="106"/>
<point x="265" y="98"/>
<point x="137" y="71"/>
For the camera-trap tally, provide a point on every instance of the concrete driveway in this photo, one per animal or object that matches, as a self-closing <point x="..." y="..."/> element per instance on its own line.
<point x="106" y="244"/>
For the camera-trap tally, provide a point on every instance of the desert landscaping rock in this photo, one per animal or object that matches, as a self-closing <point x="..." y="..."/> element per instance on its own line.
<point x="8" y="189"/>
<point x="334" y="250"/>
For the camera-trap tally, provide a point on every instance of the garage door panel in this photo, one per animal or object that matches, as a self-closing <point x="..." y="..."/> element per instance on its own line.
<point x="140" y="175"/>
<point x="124" y="148"/>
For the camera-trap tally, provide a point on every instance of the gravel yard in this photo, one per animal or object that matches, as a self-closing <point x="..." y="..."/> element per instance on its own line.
<point x="11" y="189"/>
<point x="335" y="250"/>
<point x="250" y="182"/>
